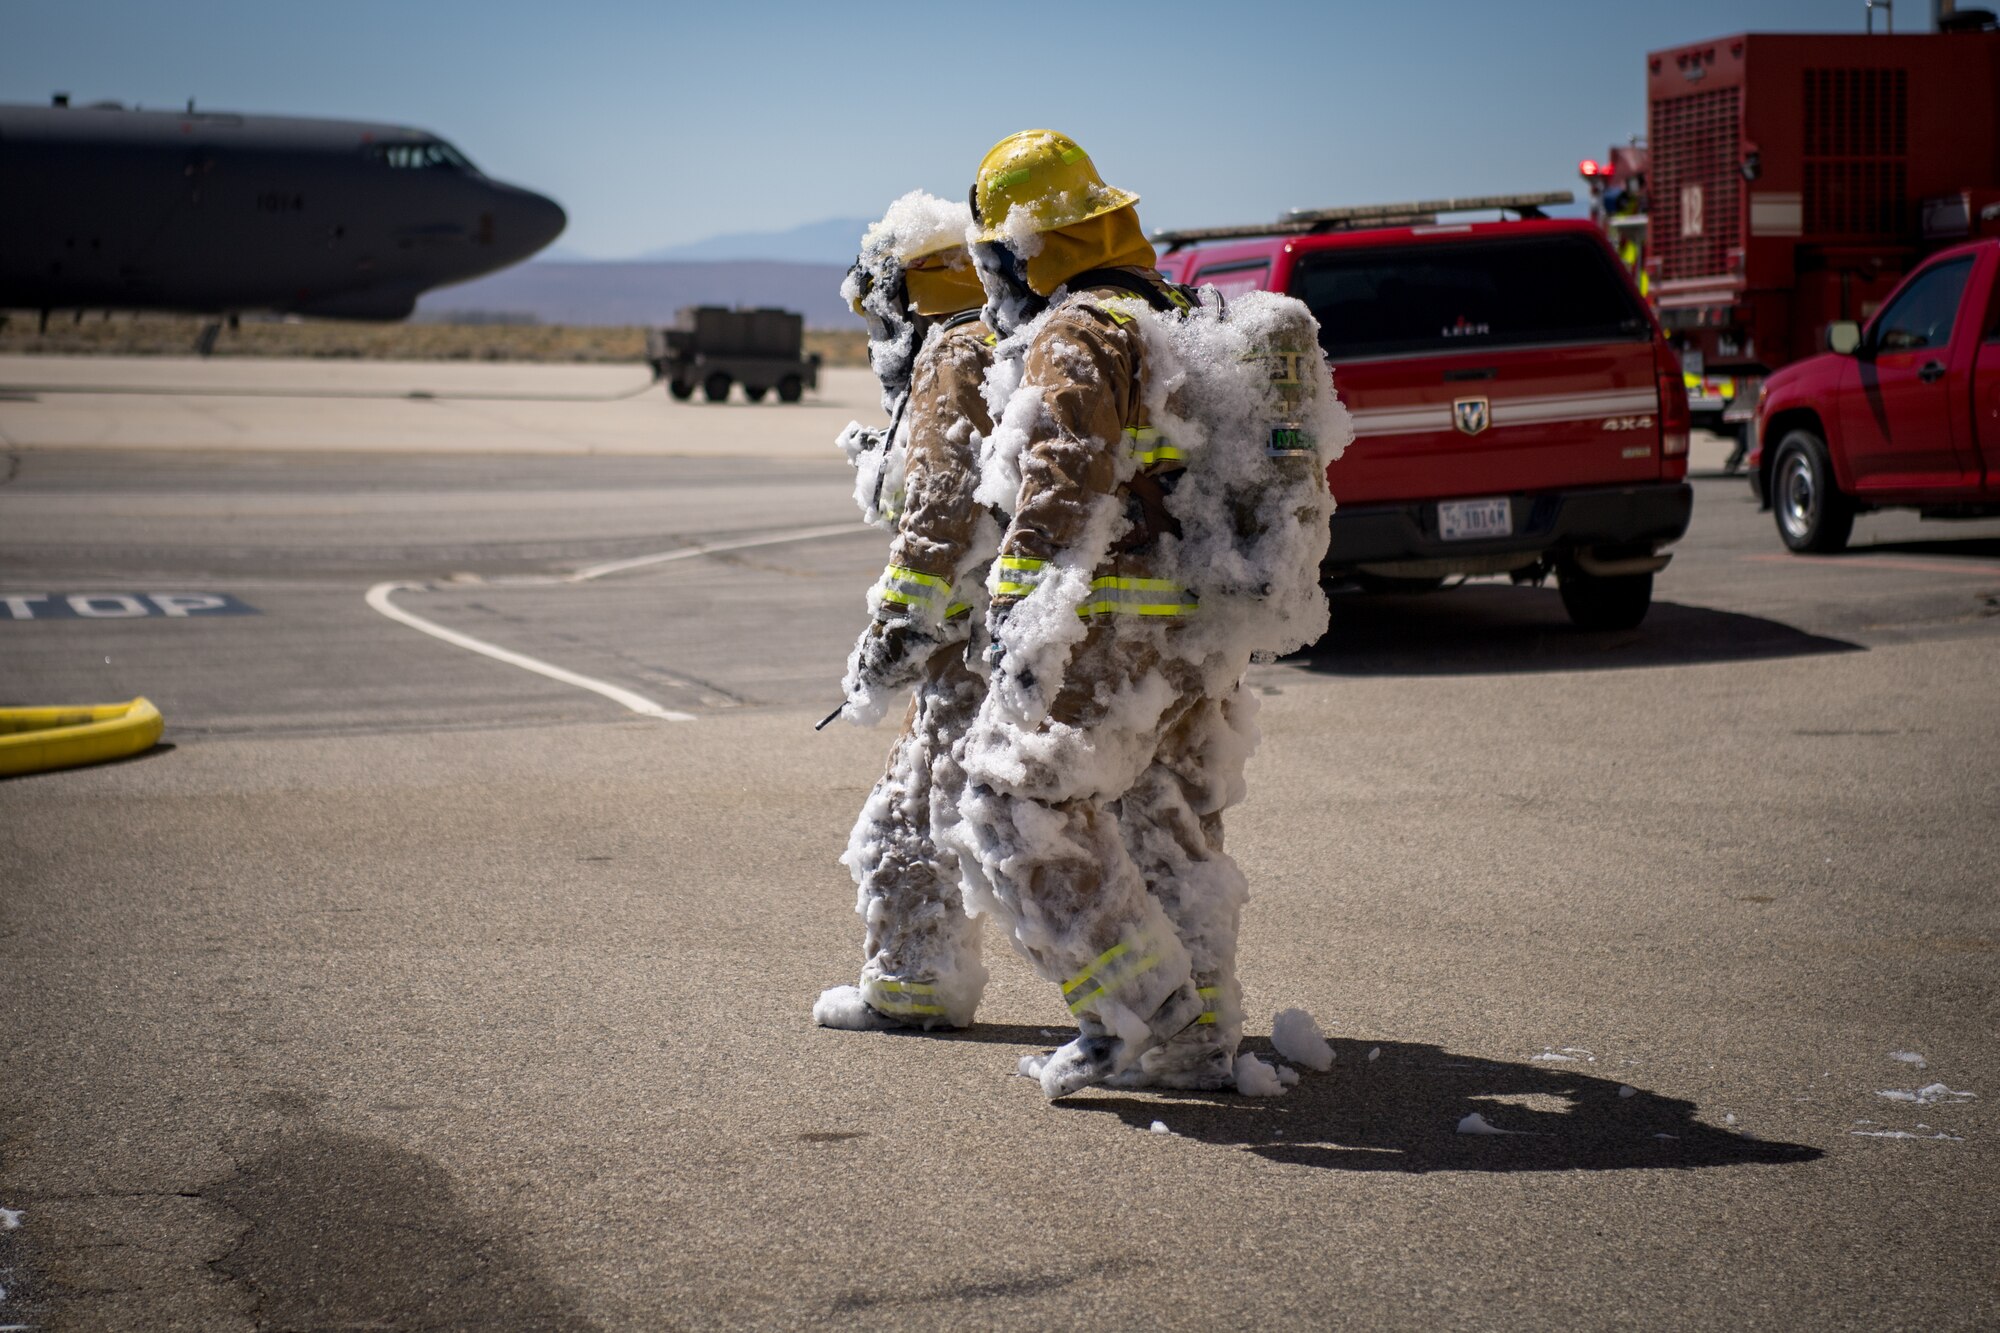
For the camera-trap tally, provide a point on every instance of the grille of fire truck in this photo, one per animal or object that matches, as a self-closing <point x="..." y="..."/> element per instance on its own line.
<point x="1696" y="191"/>
<point x="1857" y="136"/>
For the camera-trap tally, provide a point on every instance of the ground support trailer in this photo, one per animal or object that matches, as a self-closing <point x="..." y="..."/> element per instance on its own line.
<point x="716" y="347"/>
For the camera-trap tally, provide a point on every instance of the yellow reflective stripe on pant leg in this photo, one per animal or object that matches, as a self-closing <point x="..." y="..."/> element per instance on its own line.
<point x="1111" y="971"/>
<point x="1208" y="995"/>
<point x="900" y="997"/>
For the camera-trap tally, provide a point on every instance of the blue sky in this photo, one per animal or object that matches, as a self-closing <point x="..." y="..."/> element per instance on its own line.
<point x="662" y="123"/>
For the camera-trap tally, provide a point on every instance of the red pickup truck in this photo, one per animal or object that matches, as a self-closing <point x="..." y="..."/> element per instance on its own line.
<point x="1516" y="409"/>
<point x="1904" y="413"/>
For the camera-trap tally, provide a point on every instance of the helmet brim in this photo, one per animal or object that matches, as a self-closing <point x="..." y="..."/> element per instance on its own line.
<point x="1108" y="200"/>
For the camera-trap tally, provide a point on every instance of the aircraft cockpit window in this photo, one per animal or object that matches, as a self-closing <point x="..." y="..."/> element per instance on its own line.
<point x="423" y="157"/>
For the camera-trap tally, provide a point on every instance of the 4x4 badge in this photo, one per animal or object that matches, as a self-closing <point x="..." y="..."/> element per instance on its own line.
<point x="1470" y="415"/>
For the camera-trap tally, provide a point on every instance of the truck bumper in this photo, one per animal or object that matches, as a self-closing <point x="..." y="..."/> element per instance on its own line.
<point x="1650" y="515"/>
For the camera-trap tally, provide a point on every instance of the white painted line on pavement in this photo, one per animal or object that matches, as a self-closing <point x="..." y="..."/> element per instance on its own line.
<point x="378" y="597"/>
<point x="710" y="548"/>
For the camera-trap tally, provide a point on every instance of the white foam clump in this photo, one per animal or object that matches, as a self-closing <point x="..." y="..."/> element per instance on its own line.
<point x="1909" y="1058"/>
<point x="1928" y="1094"/>
<point x="1160" y="1127"/>
<point x="1288" y="1076"/>
<point x="842" y="1007"/>
<point x="1902" y="1134"/>
<point x="1627" y="1090"/>
<point x="1475" y="1123"/>
<point x="1254" y="1078"/>
<point x="1031" y="1066"/>
<point x="1298" y="1038"/>
<point x="918" y="221"/>
<point x="10" y="1219"/>
<point x="1552" y="1057"/>
<point x="1374" y="1052"/>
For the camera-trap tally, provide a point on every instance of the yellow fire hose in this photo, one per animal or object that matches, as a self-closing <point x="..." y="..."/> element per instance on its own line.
<point x="33" y="740"/>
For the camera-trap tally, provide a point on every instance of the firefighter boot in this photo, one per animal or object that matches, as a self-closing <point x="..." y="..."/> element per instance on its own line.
<point x="1202" y="1057"/>
<point x="1097" y="1054"/>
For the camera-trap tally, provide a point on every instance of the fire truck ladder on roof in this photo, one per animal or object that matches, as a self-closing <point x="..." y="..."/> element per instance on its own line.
<point x="1306" y="221"/>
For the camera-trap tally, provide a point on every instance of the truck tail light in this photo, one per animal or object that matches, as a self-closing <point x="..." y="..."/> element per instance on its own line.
<point x="1675" y="418"/>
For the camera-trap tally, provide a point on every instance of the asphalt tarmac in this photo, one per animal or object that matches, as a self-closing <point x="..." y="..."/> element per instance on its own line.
<point x="406" y="987"/>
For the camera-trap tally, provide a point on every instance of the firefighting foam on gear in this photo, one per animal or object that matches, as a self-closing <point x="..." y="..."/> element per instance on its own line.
<point x="1158" y="457"/>
<point x="921" y="963"/>
<point x="1162" y="460"/>
<point x="916" y="249"/>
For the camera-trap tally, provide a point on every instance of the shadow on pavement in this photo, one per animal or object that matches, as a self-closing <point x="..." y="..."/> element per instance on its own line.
<point x="1494" y="629"/>
<point x="1965" y="548"/>
<point x="344" y="1231"/>
<point x="1401" y="1112"/>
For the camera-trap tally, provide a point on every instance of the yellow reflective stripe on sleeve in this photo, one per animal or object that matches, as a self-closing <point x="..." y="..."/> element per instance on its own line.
<point x="909" y="575"/>
<point x="926" y="594"/>
<point x="1016" y="575"/>
<point x="1144" y="445"/>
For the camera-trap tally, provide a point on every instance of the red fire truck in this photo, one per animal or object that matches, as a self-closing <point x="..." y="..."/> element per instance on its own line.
<point x="1793" y="179"/>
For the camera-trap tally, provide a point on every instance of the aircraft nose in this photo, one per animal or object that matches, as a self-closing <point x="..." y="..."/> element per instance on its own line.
<point x="526" y="222"/>
<point x="542" y="220"/>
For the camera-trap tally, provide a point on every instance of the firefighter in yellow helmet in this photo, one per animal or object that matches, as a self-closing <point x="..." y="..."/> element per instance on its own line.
<point x="915" y="286"/>
<point x="1102" y="760"/>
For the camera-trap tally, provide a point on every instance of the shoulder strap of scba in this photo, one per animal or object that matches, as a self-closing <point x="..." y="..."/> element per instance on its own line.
<point x="1165" y="297"/>
<point x="960" y="320"/>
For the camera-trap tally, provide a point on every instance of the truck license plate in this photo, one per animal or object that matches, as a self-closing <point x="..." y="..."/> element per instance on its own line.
<point x="1463" y="520"/>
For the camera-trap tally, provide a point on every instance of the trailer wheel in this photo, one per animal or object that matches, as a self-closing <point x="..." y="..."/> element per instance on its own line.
<point x="1812" y="513"/>
<point x="756" y="395"/>
<point x="791" y="388"/>
<point x="1594" y="601"/>
<point x="716" y="387"/>
<point x="682" y="390"/>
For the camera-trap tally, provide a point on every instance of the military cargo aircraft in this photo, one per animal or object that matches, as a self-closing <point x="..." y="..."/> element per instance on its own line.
<point x="209" y="212"/>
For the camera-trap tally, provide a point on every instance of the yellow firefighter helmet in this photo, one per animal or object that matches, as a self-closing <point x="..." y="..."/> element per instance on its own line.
<point x="1048" y="175"/>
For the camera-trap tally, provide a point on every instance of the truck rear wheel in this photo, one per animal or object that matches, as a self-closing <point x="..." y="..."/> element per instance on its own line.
<point x="716" y="387"/>
<point x="790" y="389"/>
<point x="756" y="395"/>
<point x="1595" y="601"/>
<point x="682" y="390"/>
<point x="1812" y="513"/>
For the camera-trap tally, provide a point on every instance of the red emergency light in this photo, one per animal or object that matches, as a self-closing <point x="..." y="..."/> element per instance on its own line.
<point x="1590" y="167"/>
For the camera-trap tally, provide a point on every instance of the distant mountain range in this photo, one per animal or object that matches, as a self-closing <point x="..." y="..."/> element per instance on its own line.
<point x="832" y="241"/>
<point x="610" y="292"/>
<point x="800" y="269"/>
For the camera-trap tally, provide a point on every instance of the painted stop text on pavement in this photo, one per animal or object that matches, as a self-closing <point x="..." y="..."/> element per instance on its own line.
<point x="119" y="605"/>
